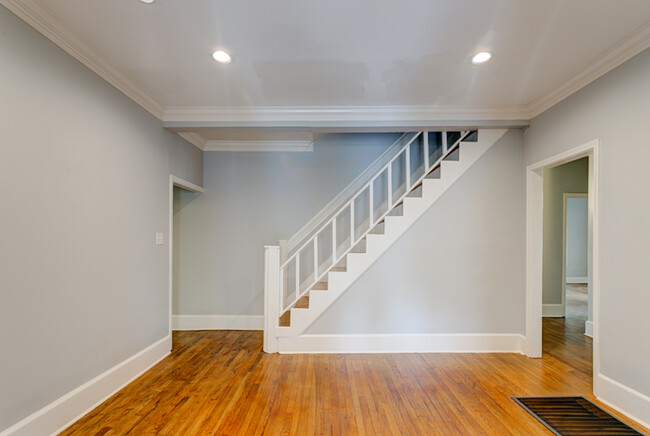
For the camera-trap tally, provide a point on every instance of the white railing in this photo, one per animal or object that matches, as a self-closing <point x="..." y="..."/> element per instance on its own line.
<point x="335" y="238"/>
<point x="342" y="198"/>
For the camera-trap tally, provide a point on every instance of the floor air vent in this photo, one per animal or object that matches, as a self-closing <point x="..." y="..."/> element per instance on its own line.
<point x="573" y="416"/>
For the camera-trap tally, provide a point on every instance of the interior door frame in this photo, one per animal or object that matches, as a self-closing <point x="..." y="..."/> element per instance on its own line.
<point x="534" y="245"/>
<point x="189" y="186"/>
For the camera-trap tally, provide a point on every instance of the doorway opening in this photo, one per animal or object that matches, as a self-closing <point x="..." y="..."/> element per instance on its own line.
<point x="575" y="272"/>
<point x="180" y="193"/>
<point x="564" y="247"/>
<point x="565" y="308"/>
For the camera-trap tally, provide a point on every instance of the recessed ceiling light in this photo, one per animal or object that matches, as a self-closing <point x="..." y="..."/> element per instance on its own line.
<point x="221" y="56"/>
<point x="481" y="57"/>
<point x="146" y="1"/>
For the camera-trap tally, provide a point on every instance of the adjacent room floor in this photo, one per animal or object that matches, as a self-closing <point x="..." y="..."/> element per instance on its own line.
<point x="221" y="383"/>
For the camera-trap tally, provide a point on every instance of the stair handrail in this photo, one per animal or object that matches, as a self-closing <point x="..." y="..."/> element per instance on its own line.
<point x="428" y="167"/>
<point x="332" y="208"/>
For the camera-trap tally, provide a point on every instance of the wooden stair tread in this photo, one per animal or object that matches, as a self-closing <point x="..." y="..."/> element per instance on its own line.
<point x="285" y="319"/>
<point x="303" y="303"/>
<point x="320" y="286"/>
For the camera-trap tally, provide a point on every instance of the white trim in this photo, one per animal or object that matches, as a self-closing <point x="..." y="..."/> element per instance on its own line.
<point x="589" y="329"/>
<point x="217" y="322"/>
<point x="594" y="265"/>
<point x="624" y="399"/>
<point x="45" y="22"/>
<point x="344" y="196"/>
<point x="570" y="280"/>
<point x="367" y="115"/>
<point x="376" y="245"/>
<point x="534" y="244"/>
<point x="184" y="184"/>
<point x="240" y="145"/>
<point x="534" y="260"/>
<point x="194" y="138"/>
<point x="60" y="414"/>
<point x="403" y="343"/>
<point x="553" y="310"/>
<point x="272" y="286"/>
<point x="624" y="50"/>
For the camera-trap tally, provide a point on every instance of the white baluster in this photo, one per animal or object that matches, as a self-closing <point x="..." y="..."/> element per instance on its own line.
<point x="444" y="142"/>
<point x="389" y="177"/>
<point x="425" y="145"/>
<point x="316" y="257"/>
<point x="333" y="240"/>
<point x="408" y="167"/>
<point x="352" y="222"/>
<point x="371" y="202"/>
<point x="297" y="274"/>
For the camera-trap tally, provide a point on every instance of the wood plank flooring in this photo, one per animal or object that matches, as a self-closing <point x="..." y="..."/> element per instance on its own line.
<point x="221" y="383"/>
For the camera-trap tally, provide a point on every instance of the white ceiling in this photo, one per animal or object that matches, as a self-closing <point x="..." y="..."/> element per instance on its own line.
<point x="354" y="63"/>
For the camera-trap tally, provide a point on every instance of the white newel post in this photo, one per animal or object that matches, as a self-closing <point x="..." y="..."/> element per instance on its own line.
<point x="271" y="297"/>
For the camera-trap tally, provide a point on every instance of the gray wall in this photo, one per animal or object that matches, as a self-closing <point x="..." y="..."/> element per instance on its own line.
<point x="252" y="200"/>
<point x="616" y="109"/>
<point x="577" y="215"/>
<point x="570" y="177"/>
<point x="84" y="186"/>
<point x="459" y="269"/>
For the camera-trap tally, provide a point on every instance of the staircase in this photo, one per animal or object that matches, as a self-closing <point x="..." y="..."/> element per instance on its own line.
<point x="349" y="235"/>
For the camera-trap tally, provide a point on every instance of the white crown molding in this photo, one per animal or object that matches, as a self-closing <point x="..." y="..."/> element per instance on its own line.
<point x="194" y="139"/>
<point x="243" y="145"/>
<point x="37" y="16"/>
<point x="624" y="50"/>
<point x="225" y="145"/>
<point x="339" y="114"/>
<point x="45" y="22"/>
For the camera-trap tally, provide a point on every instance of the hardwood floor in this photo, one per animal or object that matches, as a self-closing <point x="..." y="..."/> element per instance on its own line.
<point x="221" y="383"/>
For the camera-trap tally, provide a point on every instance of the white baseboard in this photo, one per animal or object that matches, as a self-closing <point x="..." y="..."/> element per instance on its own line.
<point x="403" y="343"/>
<point x="589" y="329"/>
<point x="624" y="399"/>
<point x="218" y="322"/>
<point x="553" y="310"/>
<point x="577" y="280"/>
<point x="62" y="413"/>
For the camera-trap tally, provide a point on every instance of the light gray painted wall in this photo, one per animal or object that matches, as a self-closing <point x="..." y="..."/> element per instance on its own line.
<point x="576" y="237"/>
<point x="616" y="109"/>
<point x="84" y="186"/>
<point x="570" y="177"/>
<point x="185" y="160"/>
<point x="252" y="200"/>
<point x="459" y="269"/>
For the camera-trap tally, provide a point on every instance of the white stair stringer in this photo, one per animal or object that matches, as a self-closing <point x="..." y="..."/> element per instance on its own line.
<point x="394" y="228"/>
